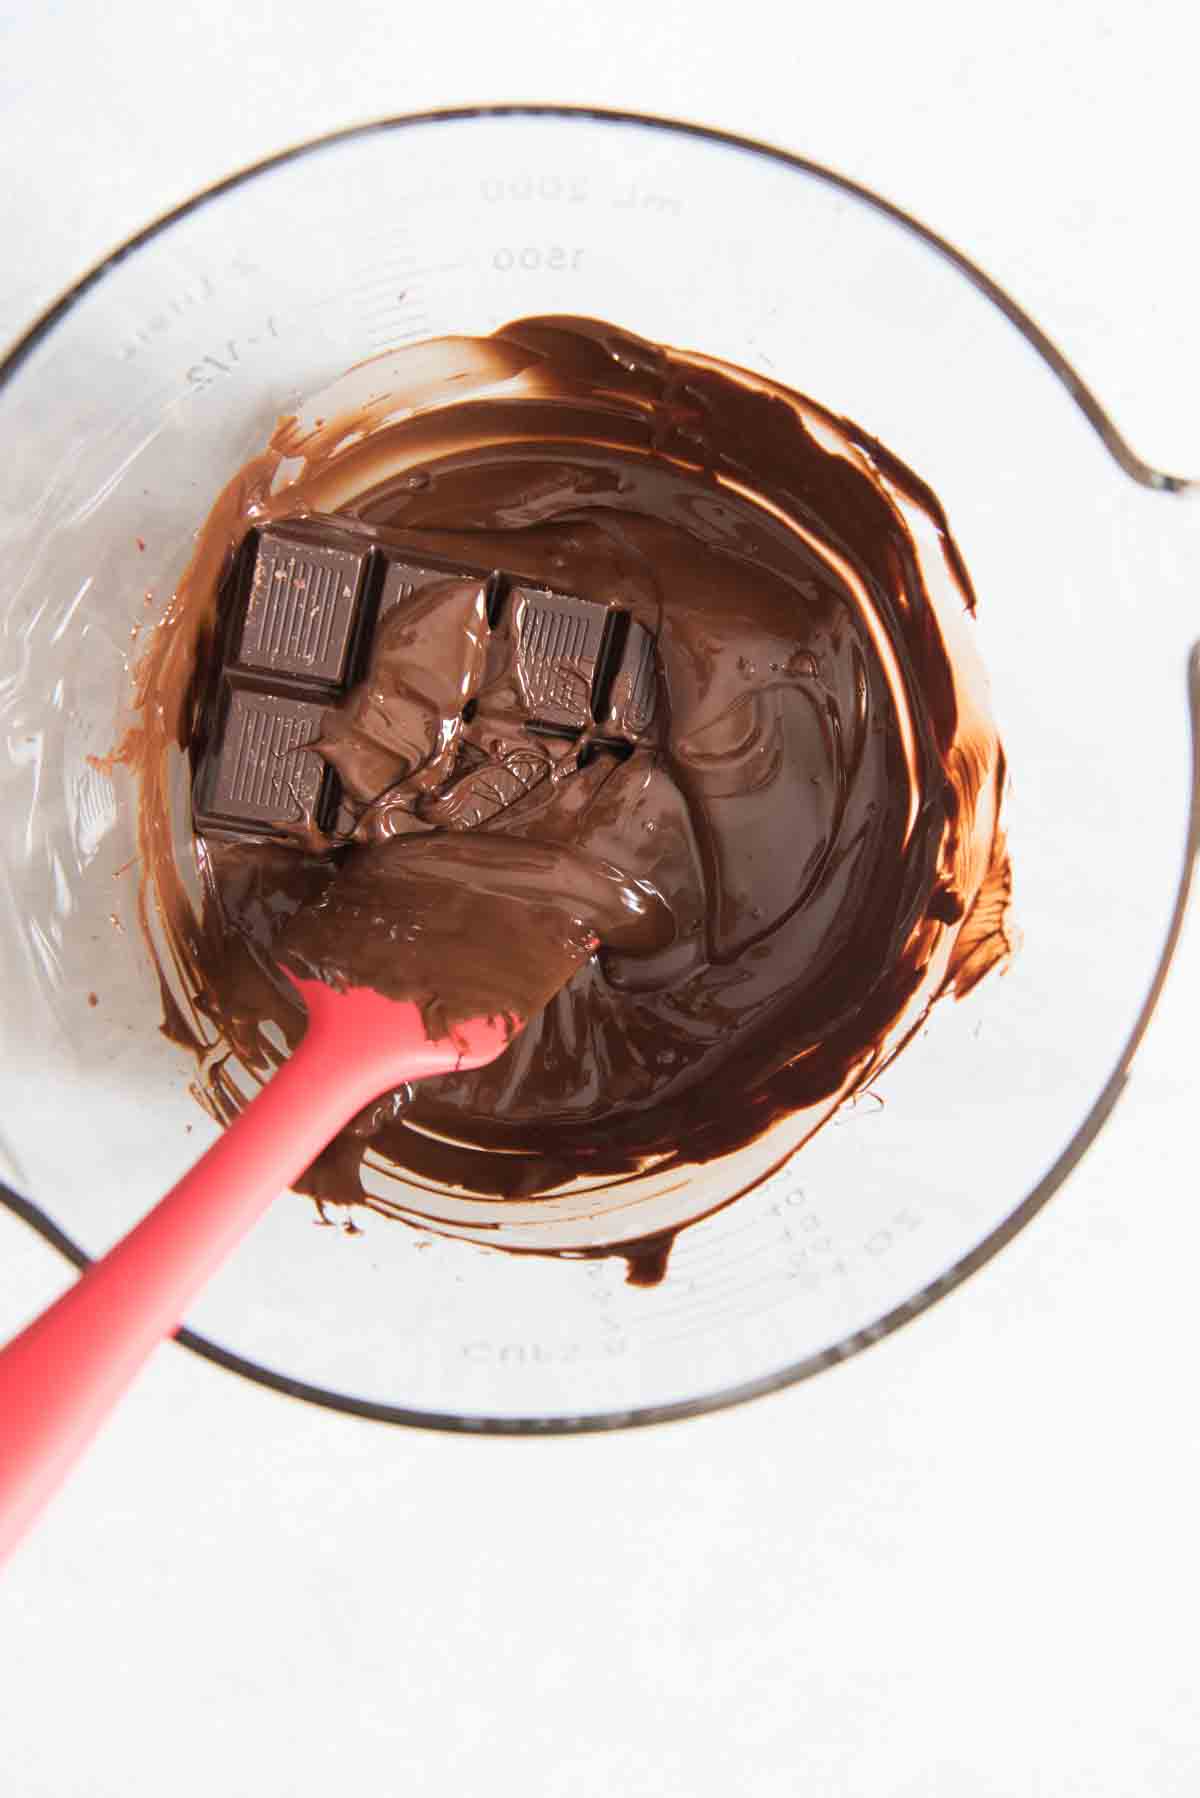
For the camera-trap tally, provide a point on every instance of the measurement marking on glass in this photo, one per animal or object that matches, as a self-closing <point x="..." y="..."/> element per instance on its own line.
<point x="713" y="1246"/>
<point x="719" y="1320"/>
<point x="406" y="304"/>
<point x="751" y="1253"/>
<point x="768" y="1227"/>
<point x="529" y="258"/>
<point x="404" y="267"/>
<point x="703" y="1306"/>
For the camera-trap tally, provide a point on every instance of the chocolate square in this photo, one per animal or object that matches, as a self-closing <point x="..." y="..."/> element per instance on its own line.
<point x="260" y="775"/>
<point x="303" y="607"/>
<point x="558" y="642"/>
<point x="404" y="579"/>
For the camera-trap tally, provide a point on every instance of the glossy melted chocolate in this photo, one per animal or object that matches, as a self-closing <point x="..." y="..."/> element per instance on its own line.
<point x="810" y="815"/>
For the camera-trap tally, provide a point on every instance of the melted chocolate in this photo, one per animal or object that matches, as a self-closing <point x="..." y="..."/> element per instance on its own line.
<point x="808" y="815"/>
<point x="468" y="926"/>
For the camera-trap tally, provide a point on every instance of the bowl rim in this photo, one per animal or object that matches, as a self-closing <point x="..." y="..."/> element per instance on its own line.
<point x="1132" y="465"/>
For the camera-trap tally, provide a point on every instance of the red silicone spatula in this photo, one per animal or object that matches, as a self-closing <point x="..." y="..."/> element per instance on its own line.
<point x="60" y="1378"/>
<point x="472" y="922"/>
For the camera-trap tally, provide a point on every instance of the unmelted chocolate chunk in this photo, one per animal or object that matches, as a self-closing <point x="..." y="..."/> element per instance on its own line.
<point x="304" y="605"/>
<point x="558" y="644"/>
<point x="352" y="664"/>
<point x="261" y="776"/>
<point x="403" y="580"/>
<point x="625" y="704"/>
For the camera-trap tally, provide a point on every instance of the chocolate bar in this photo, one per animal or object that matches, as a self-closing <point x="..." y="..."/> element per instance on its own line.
<point x="301" y="614"/>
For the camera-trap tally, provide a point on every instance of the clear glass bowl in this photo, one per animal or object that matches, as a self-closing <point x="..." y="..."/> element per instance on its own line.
<point x="126" y="408"/>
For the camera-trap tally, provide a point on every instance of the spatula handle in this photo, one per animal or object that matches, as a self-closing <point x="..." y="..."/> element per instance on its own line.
<point x="63" y="1374"/>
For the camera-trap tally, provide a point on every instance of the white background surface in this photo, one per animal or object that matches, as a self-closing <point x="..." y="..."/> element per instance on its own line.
<point x="963" y="1564"/>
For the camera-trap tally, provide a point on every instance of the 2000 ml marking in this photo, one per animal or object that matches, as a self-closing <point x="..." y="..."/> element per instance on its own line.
<point x="573" y="190"/>
<point x="569" y="190"/>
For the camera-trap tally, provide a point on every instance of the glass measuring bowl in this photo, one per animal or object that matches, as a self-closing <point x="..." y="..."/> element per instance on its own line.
<point x="125" y="410"/>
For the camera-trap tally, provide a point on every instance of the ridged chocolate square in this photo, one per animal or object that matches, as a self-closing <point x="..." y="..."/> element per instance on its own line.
<point x="261" y="774"/>
<point x="558" y="643"/>
<point x="303" y="606"/>
<point x="403" y="579"/>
